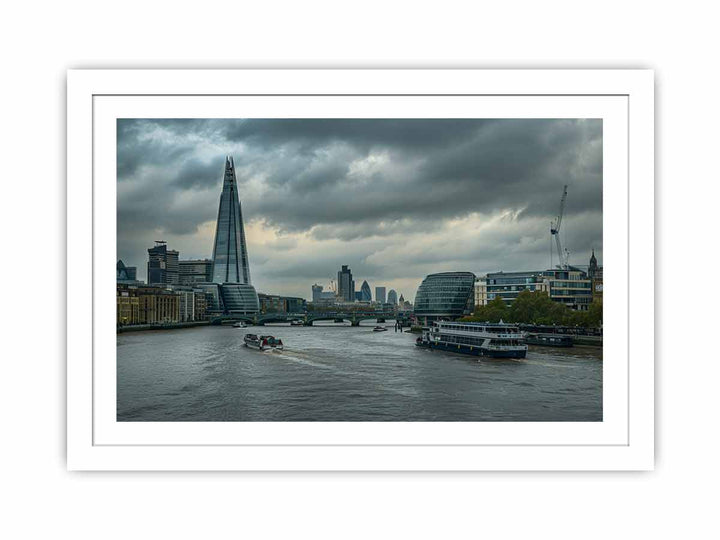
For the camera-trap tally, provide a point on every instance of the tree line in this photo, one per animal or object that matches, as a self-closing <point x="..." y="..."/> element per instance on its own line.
<point x="536" y="307"/>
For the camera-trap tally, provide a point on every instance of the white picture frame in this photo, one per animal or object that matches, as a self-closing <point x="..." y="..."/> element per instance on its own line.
<point x="623" y="441"/>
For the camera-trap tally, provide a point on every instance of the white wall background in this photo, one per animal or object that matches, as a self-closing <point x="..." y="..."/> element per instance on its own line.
<point x="40" y="40"/>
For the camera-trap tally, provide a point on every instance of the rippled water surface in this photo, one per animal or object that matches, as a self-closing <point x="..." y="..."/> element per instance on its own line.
<point x="341" y="373"/>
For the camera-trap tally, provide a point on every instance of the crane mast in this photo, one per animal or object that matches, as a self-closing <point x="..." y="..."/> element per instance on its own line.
<point x="555" y="231"/>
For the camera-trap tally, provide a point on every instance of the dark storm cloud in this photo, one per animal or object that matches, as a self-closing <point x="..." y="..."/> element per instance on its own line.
<point x="348" y="179"/>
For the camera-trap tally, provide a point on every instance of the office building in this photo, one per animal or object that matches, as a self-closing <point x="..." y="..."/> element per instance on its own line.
<point x="231" y="268"/>
<point x="571" y="286"/>
<point x="392" y="297"/>
<point x="195" y="271"/>
<point x="270" y="303"/>
<point x="447" y="295"/>
<point x="317" y="291"/>
<point x="230" y="258"/>
<point x="365" y="294"/>
<point x="380" y="295"/>
<point x="346" y="285"/>
<point x="162" y="266"/>
<point x="481" y="291"/>
<point x="125" y="274"/>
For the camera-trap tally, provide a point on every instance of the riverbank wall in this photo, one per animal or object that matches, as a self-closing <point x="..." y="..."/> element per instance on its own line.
<point x="169" y="326"/>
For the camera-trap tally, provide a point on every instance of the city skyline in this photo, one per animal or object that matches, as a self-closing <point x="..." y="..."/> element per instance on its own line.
<point x="393" y="199"/>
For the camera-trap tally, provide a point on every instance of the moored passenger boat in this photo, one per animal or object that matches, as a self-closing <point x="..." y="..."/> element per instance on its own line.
<point x="263" y="342"/>
<point x="479" y="339"/>
<point x="549" y="340"/>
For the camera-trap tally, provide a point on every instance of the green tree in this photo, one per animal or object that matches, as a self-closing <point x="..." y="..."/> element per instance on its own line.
<point x="493" y="311"/>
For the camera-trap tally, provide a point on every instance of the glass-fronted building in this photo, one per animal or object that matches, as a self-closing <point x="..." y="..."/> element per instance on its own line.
<point x="448" y="295"/>
<point x="380" y="295"/>
<point x="195" y="271"/>
<point x="365" y="294"/>
<point x="162" y="266"/>
<point x="392" y="297"/>
<point x="571" y="287"/>
<point x="230" y="258"/>
<point x="231" y="292"/>
<point x="239" y="299"/>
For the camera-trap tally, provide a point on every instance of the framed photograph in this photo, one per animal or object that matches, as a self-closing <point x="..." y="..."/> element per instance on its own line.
<point x="360" y="270"/>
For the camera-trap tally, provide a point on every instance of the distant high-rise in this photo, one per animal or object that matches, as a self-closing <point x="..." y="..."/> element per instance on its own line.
<point x="162" y="266"/>
<point x="346" y="285"/>
<point x="317" y="292"/>
<point x="380" y="294"/>
<point x="125" y="273"/>
<point x="365" y="294"/>
<point x="230" y="259"/>
<point x="195" y="271"/>
<point x="392" y="297"/>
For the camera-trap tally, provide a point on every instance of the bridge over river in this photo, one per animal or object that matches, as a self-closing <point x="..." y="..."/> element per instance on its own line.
<point x="353" y="317"/>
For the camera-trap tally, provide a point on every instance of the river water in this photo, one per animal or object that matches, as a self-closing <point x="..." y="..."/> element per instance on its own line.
<point x="332" y="372"/>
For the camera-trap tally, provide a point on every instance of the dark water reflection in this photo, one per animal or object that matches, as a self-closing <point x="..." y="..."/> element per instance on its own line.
<point x="333" y="373"/>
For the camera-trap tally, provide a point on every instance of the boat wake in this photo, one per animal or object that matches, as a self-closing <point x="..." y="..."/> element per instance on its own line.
<point x="298" y="360"/>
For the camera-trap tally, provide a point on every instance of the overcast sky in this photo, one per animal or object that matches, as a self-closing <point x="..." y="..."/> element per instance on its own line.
<point x="393" y="199"/>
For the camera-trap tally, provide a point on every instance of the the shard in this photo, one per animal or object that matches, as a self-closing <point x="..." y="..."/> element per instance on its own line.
<point x="231" y="291"/>
<point x="230" y="258"/>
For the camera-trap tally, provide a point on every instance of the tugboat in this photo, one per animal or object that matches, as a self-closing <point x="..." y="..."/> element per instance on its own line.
<point x="379" y="329"/>
<point x="262" y="343"/>
<point x="479" y="339"/>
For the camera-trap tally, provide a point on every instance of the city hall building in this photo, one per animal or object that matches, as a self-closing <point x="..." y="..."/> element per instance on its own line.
<point x="447" y="295"/>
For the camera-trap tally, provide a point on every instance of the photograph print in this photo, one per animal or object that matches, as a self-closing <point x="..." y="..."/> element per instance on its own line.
<point x="359" y="270"/>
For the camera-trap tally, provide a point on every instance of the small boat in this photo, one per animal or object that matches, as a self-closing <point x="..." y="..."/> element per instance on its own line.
<point x="240" y="324"/>
<point x="296" y="322"/>
<point x="379" y="329"/>
<point x="263" y="342"/>
<point x="549" y="340"/>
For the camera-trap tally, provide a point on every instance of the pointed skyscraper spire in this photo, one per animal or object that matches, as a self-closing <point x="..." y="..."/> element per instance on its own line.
<point x="230" y="259"/>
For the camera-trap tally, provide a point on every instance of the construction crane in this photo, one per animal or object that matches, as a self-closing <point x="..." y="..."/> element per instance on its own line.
<point x="555" y="231"/>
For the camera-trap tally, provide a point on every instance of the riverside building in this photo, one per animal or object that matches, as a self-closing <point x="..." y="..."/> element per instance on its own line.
<point x="571" y="287"/>
<point x="445" y="296"/>
<point x="481" y="298"/>
<point x="154" y="305"/>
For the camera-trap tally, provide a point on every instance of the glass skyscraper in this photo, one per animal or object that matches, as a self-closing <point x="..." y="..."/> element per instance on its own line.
<point x="230" y="259"/>
<point x="231" y="268"/>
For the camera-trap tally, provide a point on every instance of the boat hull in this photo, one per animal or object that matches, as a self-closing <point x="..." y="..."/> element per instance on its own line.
<point x="564" y="341"/>
<point x="260" y="347"/>
<point x="475" y="350"/>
